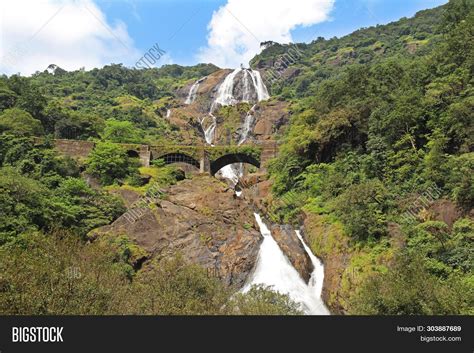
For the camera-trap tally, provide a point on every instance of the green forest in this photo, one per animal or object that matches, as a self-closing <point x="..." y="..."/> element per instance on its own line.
<point x="374" y="136"/>
<point x="380" y="137"/>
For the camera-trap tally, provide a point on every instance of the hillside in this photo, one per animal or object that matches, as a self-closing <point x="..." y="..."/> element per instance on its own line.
<point x="378" y="161"/>
<point x="375" y="165"/>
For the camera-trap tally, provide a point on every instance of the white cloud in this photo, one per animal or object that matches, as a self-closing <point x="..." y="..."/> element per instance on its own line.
<point x="237" y="28"/>
<point x="71" y="34"/>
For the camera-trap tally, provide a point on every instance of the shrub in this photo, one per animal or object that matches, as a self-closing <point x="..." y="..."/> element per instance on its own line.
<point x="410" y="289"/>
<point x="20" y="122"/>
<point x="110" y="163"/>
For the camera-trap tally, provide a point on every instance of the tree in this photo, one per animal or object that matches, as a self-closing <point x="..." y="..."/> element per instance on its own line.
<point x="20" y="122"/>
<point x="121" y="132"/>
<point x="260" y="300"/>
<point x="436" y="160"/>
<point x="23" y="204"/>
<point x="78" y="125"/>
<point x="110" y="163"/>
<point x="361" y="208"/>
<point x="29" y="96"/>
<point x="81" y="209"/>
<point x="461" y="180"/>
<point x="7" y="98"/>
<point x="53" y="113"/>
<point x="409" y="289"/>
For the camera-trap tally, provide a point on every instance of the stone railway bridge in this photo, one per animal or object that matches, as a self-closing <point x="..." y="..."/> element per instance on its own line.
<point x="208" y="159"/>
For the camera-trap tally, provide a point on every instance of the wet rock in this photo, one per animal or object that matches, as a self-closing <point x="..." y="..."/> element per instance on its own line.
<point x="202" y="221"/>
<point x="271" y="118"/>
<point x="258" y="192"/>
<point x="291" y="246"/>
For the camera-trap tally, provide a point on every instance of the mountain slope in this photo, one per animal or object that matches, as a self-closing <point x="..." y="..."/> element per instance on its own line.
<point x="378" y="161"/>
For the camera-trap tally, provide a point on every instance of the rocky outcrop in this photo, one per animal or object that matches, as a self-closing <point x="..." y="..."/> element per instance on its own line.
<point x="291" y="246"/>
<point x="129" y="197"/>
<point x="271" y="119"/>
<point x="445" y="211"/>
<point x="205" y="94"/>
<point x="201" y="220"/>
<point x="258" y="192"/>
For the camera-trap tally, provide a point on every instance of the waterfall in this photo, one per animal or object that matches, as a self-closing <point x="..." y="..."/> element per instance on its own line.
<point x="262" y="92"/>
<point x="246" y="93"/>
<point x="193" y="92"/>
<point x="209" y="132"/>
<point x="168" y="113"/>
<point x="317" y="277"/>
<point x="225" y="94"/>
<point x="234" y="172"/>
<point x="246" y="127"/>
<point x="274" y="269"/>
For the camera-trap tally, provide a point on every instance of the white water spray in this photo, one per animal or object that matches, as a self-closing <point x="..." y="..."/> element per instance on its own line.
<point x="225" y="94"/>
<point x="247" y="126"/>
<point x="193" y="92"/>
<point x="262" y="92"/>
<point x="246" y="94"/>
<point x="209" y="131"/>
<point x="275" y="270"/>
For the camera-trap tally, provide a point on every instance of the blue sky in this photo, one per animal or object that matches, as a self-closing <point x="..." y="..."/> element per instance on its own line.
<point x="180" y="26"/>
<point x="92" y="33"/>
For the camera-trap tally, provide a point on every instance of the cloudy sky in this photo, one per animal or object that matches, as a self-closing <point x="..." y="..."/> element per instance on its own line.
<point x="93" y="33"/>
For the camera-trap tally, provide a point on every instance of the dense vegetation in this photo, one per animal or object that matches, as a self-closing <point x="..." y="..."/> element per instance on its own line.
<point x="113" y="103"/>
<point x="49" y="203"/>
<point x="49" y="266"/>
<point x="382" y="119"/>
<point x="58" y="274"/>
<point x="383" y="122"/>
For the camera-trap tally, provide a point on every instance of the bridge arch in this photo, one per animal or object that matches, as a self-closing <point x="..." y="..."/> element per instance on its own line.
<point x="133" y="154"/>
<point x="233" y="158"/>
<point x="171" y="158"/>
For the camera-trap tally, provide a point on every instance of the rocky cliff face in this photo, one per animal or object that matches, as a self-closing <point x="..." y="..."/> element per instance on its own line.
<point x="258" y="192"/>
<point x="201" y="220"/>
<point x="270" y="117"/>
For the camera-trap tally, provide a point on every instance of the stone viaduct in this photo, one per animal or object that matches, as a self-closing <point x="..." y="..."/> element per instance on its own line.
<point x="208" y="159"/>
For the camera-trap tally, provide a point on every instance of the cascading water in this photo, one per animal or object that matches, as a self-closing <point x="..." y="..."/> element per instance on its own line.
<point x="246" y="127"/>
<point x="234" y="172"/>
<point x="262" y="92"/>
<point x="275" y="270"/>
<point x="210" y="130"/>
<point x="317" y="277"/>
<point x="193" y="92"/>
<point x="225" y="94"/>
<point x="168" y="113"/>
<point x="246" y="95"/>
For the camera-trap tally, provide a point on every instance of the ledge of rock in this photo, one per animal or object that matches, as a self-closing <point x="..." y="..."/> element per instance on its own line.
<point x="201" y="220"/>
